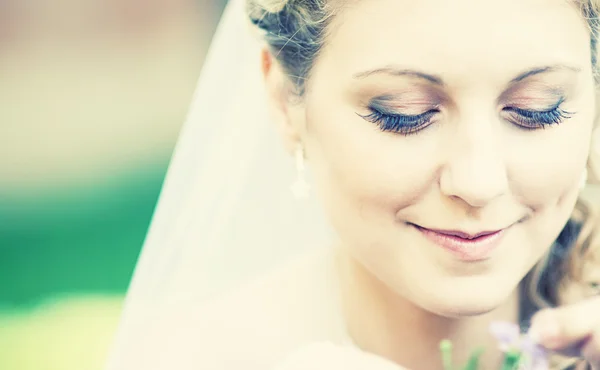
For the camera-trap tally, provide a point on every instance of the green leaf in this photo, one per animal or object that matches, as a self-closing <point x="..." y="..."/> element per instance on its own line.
<point x="473" y="362"/>
<point x="446" y="350"/>
<point x="512" y="360"/>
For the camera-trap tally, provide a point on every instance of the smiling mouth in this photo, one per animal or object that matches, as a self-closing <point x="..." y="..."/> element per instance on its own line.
<point x="461" y="234"/>
<point x="465" y="246"/>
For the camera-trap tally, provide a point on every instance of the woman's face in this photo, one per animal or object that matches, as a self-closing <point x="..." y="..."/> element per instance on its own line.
<point x="429" y="123"/>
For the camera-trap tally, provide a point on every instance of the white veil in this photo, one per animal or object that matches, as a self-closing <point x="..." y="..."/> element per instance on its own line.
<point x="226" y="212"/>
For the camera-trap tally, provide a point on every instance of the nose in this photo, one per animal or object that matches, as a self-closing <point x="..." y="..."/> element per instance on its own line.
<point x="474" y="169"/>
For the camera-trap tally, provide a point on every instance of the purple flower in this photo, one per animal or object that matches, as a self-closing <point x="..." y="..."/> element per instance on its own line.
<point x="510" y="339"/>
<point x="536" y="355"/>
<point x="507" y="335"/>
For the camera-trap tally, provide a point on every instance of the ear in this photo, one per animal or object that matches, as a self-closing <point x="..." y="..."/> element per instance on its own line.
<point x="285" y="114"/>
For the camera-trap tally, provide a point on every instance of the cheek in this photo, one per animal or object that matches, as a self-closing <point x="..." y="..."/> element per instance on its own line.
<point x="547" y="163"/>
<point x="363" y="172"/>
<point x="545" y="166"/>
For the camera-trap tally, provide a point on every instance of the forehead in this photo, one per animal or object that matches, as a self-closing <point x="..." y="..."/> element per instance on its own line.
<point x="457" y="38"/>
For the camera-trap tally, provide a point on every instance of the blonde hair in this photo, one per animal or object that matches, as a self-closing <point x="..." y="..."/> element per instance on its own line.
<point x="295" y="31"/>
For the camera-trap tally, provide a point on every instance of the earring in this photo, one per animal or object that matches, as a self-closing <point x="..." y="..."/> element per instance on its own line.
<point x="596" y="141"/>
<point x="300" y="187"/>
<point x="584" y="178"/>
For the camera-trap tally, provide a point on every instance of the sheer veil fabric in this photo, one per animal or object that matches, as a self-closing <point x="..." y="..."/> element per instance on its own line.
<point x="226" y="213"/>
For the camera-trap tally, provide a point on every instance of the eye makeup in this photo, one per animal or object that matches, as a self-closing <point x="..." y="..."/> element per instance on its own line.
<point x="404" y="113"/>
<point x="407" y="105"/>
<point x="533" y="119"/>
<point x="537" y="103"/>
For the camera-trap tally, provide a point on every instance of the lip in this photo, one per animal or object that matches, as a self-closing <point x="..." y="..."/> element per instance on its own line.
<point x="463" y="235"/>
<point x="467" y="247"/>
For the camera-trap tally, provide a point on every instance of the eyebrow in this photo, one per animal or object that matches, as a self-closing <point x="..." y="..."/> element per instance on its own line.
<point x="547" y="69"/>
<point x="394" y="71"/>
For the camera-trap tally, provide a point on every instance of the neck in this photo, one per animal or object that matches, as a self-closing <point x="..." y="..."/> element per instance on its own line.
<point x="383" y="322"/>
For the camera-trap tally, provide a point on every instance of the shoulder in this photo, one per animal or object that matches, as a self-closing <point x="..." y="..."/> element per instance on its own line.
<point x="257" y="325"/>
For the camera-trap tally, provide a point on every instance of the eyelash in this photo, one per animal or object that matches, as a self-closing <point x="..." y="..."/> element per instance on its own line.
<point x="411" y="124"/>
<point x="531" y="120"/>
<point x="400" y="123"/>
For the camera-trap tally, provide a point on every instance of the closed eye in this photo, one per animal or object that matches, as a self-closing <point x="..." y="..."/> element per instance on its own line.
<point x="400" y="123"/>
<point x="534" y="119"/>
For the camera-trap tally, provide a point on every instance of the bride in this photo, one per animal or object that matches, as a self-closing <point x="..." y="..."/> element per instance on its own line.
<point x="447" y="143"/>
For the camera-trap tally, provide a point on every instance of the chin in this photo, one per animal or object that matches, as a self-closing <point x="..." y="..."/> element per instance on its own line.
<point x="462" y="311"/>
<point x="468" y="300"/>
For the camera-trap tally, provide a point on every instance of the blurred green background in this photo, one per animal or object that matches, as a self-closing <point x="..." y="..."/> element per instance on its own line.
<point x="92" y="96"/>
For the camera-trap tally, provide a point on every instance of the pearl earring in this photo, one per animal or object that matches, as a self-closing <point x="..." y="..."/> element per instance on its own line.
<point x="300" y="187"/>
<point x="584" y="178"/>
<point x="596" y="141"/>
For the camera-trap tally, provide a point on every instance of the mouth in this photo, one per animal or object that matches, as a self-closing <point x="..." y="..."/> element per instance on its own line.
<point x="461" y="234"/>
<point x="466" y="246"/>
